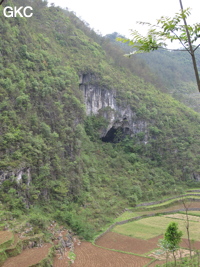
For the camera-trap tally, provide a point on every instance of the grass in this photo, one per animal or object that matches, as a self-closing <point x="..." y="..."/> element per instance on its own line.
<point x="182" y="216"/>
<point x="126" y="215"/>
<point x="150" y="227"/>
<point x="195" y="213"/>
<point x="72" y="256"/>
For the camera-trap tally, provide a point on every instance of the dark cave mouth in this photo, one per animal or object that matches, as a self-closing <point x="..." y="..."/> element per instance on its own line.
<point x="116" y="135"/>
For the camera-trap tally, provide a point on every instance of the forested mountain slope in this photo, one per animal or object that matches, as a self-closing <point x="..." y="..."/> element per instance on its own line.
<point x="75" y="166"/>
<point x="173" y="69"/>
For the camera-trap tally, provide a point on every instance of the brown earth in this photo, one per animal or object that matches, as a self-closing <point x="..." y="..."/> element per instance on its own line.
<point x="194" y="244"/>
<point x="88" y="255"/>
<point x="126" y="243"/>
<point x="61" y="260"/>
<point x="129" y="244"/>
<point x="32" y="255"/>
<point x="28" y="257"/>
<point x="5" y="236"/>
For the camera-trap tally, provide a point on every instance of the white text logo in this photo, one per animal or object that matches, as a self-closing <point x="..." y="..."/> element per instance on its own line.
<point x="13" y="12"/>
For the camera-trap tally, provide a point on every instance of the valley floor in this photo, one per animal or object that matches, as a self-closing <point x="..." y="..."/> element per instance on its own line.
<point x="131" y="241"/>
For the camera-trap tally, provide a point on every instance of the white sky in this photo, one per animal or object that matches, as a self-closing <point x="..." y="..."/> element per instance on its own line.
<point x="107" y="16"/>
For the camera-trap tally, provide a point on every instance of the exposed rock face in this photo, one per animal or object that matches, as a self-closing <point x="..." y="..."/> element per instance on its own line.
<point x="196" y="176"/>
<point x="100" y="100"/>
<point x="17" y="175"/>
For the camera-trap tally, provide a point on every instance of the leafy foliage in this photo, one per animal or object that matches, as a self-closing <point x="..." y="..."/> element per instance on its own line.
<point x="168" y="29"/>
<point x="173" y="236"/>
<point x="50" y="153"/>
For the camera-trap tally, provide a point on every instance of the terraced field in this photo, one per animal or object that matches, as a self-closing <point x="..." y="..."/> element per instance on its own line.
<point x="153" y="226"/>
<point x="120" y="242"/>
<point x="132" y="241"/>
<point x="141" y="236"/>
<point x="92" y="256"/>
<point x="28" y="257"/>
<point x="18" y="250"/>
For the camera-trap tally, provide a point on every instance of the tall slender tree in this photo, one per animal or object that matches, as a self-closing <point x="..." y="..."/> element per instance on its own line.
<point x="168" y="29"/>
<point x="187" y="224"/>
<point x="190" y="49"/>
<point x="173" y="238"/>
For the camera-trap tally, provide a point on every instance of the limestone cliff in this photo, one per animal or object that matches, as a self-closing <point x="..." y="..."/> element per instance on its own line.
<point x="16" y="174"/>
<point x="101" y="100"/>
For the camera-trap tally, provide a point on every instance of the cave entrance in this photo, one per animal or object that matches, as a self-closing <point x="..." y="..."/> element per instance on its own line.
<point x="110" y="136"/>
<point x="115" y="135"/>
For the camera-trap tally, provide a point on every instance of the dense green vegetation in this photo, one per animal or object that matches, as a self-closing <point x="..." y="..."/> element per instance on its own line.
<point x="75" y="177"/>
<point x="172" y="69"/>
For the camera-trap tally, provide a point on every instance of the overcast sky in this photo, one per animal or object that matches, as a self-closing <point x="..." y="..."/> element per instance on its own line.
<point x="107" y="16"/>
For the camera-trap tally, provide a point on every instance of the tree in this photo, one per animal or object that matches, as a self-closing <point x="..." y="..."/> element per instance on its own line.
<point x="165" y="246"/>
<point x="168" y="29"/>
<point x="173" y="238"/>
<point x="187" y="224"/>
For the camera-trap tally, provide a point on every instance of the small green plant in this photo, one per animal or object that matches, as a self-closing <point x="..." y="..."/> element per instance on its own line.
<point x="72" y="256"/>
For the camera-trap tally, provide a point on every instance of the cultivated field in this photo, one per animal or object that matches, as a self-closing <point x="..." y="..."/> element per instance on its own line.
<point x="153" y="226"/>
<point x="182" y="216"/>
<point x="133" y="244"/>
<point x="126" y="243"/>
<point x="141" y="236"/>
<point x="93" y="256"/>
<point x="28" y="257"/>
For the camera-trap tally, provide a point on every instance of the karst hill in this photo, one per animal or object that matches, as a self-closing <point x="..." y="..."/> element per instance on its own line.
<point x="85" y="132"/>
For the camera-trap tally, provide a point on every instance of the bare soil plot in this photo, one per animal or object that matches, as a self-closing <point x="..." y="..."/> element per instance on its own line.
<point x="28" y="257"/>
<point x="194" y="244"/>
<point x="126" y="243"/>
<point x="5" y="236"/>
<point x="92" y="256"/>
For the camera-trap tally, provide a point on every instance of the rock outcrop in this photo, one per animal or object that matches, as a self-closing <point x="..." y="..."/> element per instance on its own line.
<point x="15" y="174"/>
<point x="101" y="100"/>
